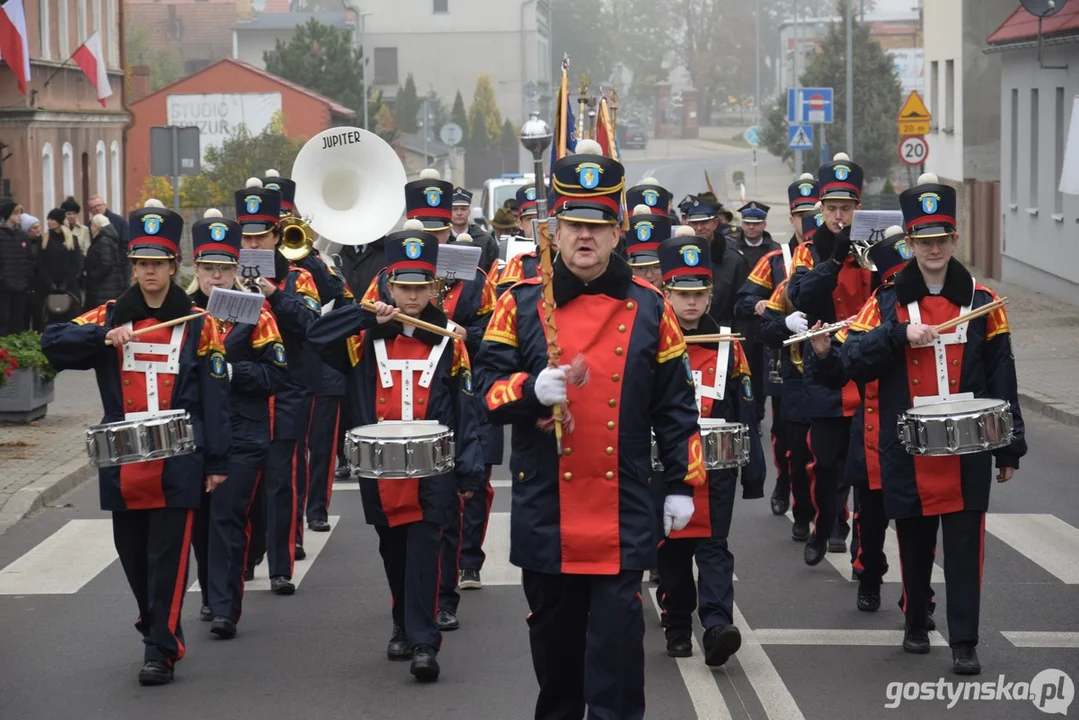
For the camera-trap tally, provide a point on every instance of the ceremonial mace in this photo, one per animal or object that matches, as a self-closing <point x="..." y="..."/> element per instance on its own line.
<point x="536" y="138"/>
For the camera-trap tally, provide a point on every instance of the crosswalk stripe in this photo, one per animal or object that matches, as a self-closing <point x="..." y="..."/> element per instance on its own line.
<point x="773" y="693"/>
<point x="884" y="638"/>
<point x="62" y="563"/>
<point x="1042" y="639"/>
<point x="1045" y="540"/>
<point x="313" y="544"/>
<point x="700" y="682"/>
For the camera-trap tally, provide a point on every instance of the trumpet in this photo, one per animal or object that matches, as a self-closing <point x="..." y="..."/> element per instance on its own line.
<point x="297" y="238"/>
<point x="808" y="334"/>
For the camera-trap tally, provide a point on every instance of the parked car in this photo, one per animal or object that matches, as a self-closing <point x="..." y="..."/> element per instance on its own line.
<point x="632" y="136"/>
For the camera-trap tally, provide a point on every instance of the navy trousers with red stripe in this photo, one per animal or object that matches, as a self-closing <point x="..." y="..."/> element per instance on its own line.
<point x="221" y="534"/>
<point x="587" y="639"/>
<point x="867" y="544"/>
<point x="829" y="439"/>
<point x="322" y="442"/>
<point x="964" y="552"/>
<point x="153" y="546"/>
<point x="800" y="458"/>
<point x="474" y="526"/>
<point x="410" y="556"/>
<point x="450" y="559"/>
<point x="781" y="441"/>
<point x="285" y="470"/>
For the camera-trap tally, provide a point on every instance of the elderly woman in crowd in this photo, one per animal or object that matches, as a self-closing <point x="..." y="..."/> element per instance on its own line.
<point x="104" y="263"/>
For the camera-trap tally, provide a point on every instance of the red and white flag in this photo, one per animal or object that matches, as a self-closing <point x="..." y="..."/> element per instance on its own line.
<point x="91" y="59"/>
<point x="14" y="46"/>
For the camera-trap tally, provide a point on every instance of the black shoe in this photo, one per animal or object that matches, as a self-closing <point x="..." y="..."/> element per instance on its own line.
<point x="318" y="525"/>
<point x="341" y="473"/>
<point x="223" y="628"/>
<point x="930" y="623"/>
<point x="915" y="641"/>
<point x="155" y="672"/>
<point x="720" y="643"/>
<point x="398" y="649"/>
<point x="301" y="554"/>
<point x="470" y="580"/>
<point x="780" y="502"/>
<point x="206" y="614"/>
<point x="425" y="663"/>
<point x="837" y="545"/>
<point x="965" y="660"/>
<point x="282" y="586"/>
<point x="868" y="597"/>
<point x="249" y="574"/>
<point x="814" y="551"/>
<point x="679" y="647"/>
<point x="653" y="577"/>
<point x="446" y="621"/>
<point x="800" y="531"/>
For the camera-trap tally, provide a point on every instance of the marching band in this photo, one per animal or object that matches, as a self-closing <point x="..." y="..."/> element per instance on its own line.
<point x="633" y="385"/>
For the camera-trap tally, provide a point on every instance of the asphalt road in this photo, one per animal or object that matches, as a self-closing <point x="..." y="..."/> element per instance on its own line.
<point x="68" y="649"/>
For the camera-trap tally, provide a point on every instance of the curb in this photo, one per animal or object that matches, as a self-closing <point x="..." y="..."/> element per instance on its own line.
<point x="1050" y="408"/>
<point x="46" y="489"/>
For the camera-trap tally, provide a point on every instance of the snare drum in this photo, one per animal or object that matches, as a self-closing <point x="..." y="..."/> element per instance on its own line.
<point x="725" y="445"/>
<point x="400" y="449"/>
<point x="956" y="427"/>
<point x="170" y="434"/>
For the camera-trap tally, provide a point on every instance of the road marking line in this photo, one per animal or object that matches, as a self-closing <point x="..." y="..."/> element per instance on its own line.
<point x="62" y="563"/>
<point x="501" y="483"/>
<point x="700" y="680"/>
<point x="497" y="569"/>
<point x="796" y="636"/>
<point x="772" y="692"/>
<point x="1042" y="639"/>
<point x="313" y="544"/>
<point x="1044" y="539"/>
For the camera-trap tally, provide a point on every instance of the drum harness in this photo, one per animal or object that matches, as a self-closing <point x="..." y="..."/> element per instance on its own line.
<point x="151" y="368"/>
<point x="959" y="337"/>
<point x="719" y="387"/>
<point x="407" y="369"/>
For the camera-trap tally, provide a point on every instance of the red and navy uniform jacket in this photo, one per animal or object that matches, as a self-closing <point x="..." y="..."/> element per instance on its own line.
<point x="769" y="271"/>
<point x="200" y="386"/>
<point x="256" y="355"/>
<point x="709" y="518"/>
<point x="876" y="348"/>
<point x="520" y="267"/>
<point x="345" y="340"/>
<point x="331" y="288"/>
<point x="295" y="306"/>
<point x="827" y="291"/>
<point x="794" y="406"/>
<point x="591" y="510"/>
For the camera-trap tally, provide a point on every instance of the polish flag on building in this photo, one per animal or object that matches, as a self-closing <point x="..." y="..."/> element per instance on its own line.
<point x="91" y="59"/>
<point x="14" y="46"/>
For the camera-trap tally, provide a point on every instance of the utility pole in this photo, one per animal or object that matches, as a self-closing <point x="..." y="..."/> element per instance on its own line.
<point x="797" y="84"/>
<point x="850" y="78"/>
<point x="757" y="100"/>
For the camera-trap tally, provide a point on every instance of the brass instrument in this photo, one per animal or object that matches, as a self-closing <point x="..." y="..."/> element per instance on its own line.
<point x="297" y="238"/>
<point x="438" y="295"/>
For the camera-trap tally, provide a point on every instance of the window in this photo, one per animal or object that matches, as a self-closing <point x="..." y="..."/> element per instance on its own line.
<point x="1034" y="146"/>
<point x="442" y="6"/>
<point x="64" y="31"/>
<point x="48" y="177"/>
<point x="934" y="91"/>
<point x="80" y="22"/>
<point x="385" y="66"/>
<point x="67" y="160"/>
<point x="46" y="29"/>
<point x="1058" y="202"/>
<point x="114" y="167"/>
<point x="193" y="66"/>
<point x="949" y="95"/>
<point x="102" y="187"/>
<point x="1015" y="148"/>
<point x="114" y="36"/>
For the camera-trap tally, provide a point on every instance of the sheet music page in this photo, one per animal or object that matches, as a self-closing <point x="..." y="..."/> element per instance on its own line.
<point x="457" y="262"/>
<point x="235" y="306"/>
<point x="256" y="263"/>
<point x="871" y="224"/>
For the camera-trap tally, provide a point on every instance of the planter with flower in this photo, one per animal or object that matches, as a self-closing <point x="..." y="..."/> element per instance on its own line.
<point x="26" y="378"/>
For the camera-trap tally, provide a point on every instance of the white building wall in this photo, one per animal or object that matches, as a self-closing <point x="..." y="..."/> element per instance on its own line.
<point x="942" y="21"/>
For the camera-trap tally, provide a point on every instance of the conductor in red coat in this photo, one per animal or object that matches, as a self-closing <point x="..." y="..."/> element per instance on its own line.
<point x="585" y="524"/>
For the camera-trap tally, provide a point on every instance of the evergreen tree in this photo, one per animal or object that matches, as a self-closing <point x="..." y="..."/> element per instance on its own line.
<point x="484" y="119"/>
<point x="509" y="139"/>
<point x="459" y="115"/>
<point x="406" y="106"/>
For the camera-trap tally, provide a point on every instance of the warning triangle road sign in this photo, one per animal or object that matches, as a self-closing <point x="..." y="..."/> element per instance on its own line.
<point x="800" y="137"/>
<point x="914" y="108"/>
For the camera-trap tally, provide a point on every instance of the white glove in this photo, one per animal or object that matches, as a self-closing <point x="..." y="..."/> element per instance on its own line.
<point x="797" y="323"/>
<point x="228" y="366"/>
<point x="551" y="386"/>
<point x="677" y="511"/>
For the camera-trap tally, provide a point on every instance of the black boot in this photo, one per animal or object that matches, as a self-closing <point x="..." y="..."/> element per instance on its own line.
<point x="318" y="525"/>
<point x="868" y="596"/>
<point x="223" y="627"/>
<point x="282" y="586"/>
<point x="780" y="502"/>
<point x="800" y="531"/>
<point x="815" y="550"/>
<point x="916" y="641"/>
<point x="301" y="554"/>
<point x="720" y="643"/>
<point x="680" y="646"/>
<point x="206" y="614"/>
<point x="425" y="663"/>
<point x="965" y="660"/>
<point x="398" y="648"/>
<point x="155" y="672"/>
<point x="447" y="621"/>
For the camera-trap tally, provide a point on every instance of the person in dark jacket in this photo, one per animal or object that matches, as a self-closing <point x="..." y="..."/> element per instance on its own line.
<point x="104" y="260"/>
<point x="754" y="241"/>
<point x="729" y="266"/>
<point x="460" y="224"/>
<point x="16" y="270"/>
<point x="60" y="262"/>
<point x="119" y="222"/>
<point x="362" y="263"/>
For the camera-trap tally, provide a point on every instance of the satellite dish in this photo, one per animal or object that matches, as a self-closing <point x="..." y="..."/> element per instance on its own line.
<point x="1043" y="8"/>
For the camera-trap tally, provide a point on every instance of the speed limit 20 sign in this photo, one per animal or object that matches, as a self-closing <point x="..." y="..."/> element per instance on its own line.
<point x="913" y="150"/>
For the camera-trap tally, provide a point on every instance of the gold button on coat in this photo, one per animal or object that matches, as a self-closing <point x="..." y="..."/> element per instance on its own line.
<point x="610" y="451"/>
<point x="610" y="425"/>
<point x="610" y="475"/>
<point x="568" y="476"/>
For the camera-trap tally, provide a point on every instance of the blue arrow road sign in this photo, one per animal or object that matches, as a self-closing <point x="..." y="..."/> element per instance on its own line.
<point x="810" y="106"/>
<point x="800" y="137"/>
<point x="753" y="135"/>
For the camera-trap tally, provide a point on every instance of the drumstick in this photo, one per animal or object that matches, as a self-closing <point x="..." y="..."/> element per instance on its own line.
<point x="705" y="339"/>
<point x="167" y="323"/>
<point x="416" y="323"/>
<point x="983" y="310"/>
